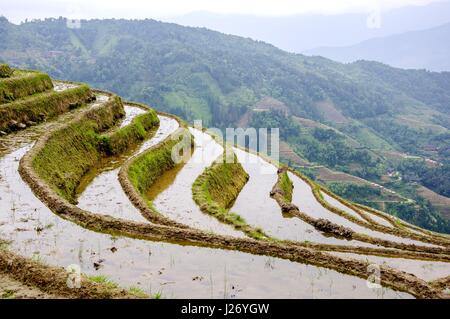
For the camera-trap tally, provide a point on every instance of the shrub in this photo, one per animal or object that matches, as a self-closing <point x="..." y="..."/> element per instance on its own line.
<point x="5" y="71"/>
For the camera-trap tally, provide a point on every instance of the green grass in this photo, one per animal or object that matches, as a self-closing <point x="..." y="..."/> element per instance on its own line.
<point x="6" y="71"/>
<point x="72" y="150"/>
<point x="76" y="148"/>
<point x="366" y="136"/>
<point x="4" y="245"/>
<point x="38" y="258"/>
<point x="8" y="294"/>
<point x="193" y="107"/>
<point x="137" y="292"/>
<point x="157" y="295"/>
<point x="120" y="140"/>
<point x="217" y="188"/>
<point x="42" y="106"/>
<point x="27" y="83"/>
<point x="286" y="186"/>
<point x="223" y="181"/>
<point x="100" y="279"/>
<point x="147" y="167"/>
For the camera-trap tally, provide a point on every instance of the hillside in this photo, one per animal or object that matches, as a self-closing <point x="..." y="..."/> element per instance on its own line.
<point x="425" y="49"/>
<point x="105" y="197"/>
<point x="372" y="110"/>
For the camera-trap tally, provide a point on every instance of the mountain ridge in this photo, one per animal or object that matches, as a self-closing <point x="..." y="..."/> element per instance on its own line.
<point x="420" y="49"/>
<point x="298" y="33"/>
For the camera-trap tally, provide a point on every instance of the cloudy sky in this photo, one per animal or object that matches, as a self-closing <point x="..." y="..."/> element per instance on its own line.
<point x="19" y="10"/>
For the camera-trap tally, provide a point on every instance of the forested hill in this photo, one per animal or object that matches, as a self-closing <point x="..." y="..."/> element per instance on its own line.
<point x="197" y="72"/>
<point x="349" y="117"/>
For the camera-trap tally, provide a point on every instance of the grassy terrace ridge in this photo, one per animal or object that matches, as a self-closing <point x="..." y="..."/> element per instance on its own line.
<point x="73" y="150"/>
<point x="22" y="84"/>
<point x="53" y="280"/>
<point x="119" y="141"/>
<point x="140" y="172"/>
<point x="6" y="71"/>
<point x="287" y="186"/>
<point x="148" y="166"/>
<point x="404" y="232"/>
<point x="42" y="106"/>
<point x="282" y="191"/>
<point x="216" y="189"/>
<point x="279" y="193"/>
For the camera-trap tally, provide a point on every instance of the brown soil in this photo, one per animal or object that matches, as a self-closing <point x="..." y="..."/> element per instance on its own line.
<point x="442" y="283"/>
<point x="442" y="203"/>
<point x="13" y="289"/>
<point x="35" y="280"/>
<point x="330" y="112"/>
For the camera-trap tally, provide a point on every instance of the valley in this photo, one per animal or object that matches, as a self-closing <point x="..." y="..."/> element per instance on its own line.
<point x="96" y="187"/>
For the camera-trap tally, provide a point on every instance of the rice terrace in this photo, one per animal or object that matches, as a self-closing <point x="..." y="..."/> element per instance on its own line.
<point x="93" y="205"/>
<point x="225" y="158"/>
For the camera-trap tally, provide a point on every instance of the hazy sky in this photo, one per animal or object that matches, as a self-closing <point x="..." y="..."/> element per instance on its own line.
<point x="19" y="10"/>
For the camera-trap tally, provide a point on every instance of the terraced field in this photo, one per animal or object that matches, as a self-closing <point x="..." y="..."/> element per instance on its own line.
<point x="89" y="182"/>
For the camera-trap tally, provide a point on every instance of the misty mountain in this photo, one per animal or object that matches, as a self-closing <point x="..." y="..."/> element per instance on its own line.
<point x="299" y="33"/>
<point x="426" y="49"/>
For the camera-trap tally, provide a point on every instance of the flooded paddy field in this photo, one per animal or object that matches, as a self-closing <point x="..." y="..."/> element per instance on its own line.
<point x="101" y="191"/>
<point x="308" y="204"/>
<point x="184" y="209"/>
<point x="173" y="270"/>
<point x="426" y="270"/>
<point x="260" y="210"/>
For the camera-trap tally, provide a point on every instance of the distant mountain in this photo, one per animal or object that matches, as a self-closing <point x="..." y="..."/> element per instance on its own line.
<point x="298" y="33"/>
<point x="427" y="49"/>
<point x="346" y="117"/>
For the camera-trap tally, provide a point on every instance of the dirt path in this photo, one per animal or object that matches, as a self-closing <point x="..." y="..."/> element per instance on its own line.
<point x="13" y="289"/>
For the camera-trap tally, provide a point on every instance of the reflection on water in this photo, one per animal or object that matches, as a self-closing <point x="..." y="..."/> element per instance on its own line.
<point x="62" y="86"/>
<point x="426" y="270"/>
<point x="163" y="182"/>
<point x="173" y="270"/>
<point x="176" y="200"/>
<point x="260" y="210"/>
<point x="309" y="205"/>
<point x="379" y="220"/>
<point x="334" y="202"/>
<point x="103" y="193"/>
<point x="130" y="113"/>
